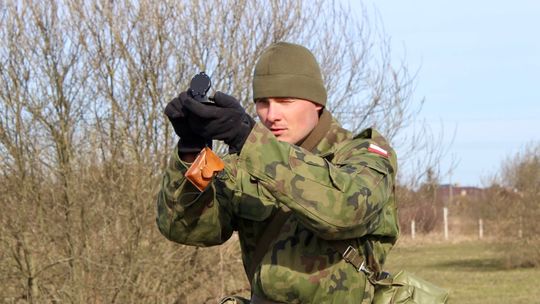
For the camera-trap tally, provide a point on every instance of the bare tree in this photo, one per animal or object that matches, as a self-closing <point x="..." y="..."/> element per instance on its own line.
<point x="83" y="139"/>
<point x="515" y="209"/>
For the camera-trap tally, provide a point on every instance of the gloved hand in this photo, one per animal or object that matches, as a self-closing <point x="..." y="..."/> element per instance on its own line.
<point x="190" y="142"/>
<point x="224" y="120"/>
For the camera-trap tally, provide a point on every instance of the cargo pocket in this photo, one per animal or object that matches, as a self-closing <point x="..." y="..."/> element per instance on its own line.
<point x="342" y="175"/>
<point x="309" y="166"/>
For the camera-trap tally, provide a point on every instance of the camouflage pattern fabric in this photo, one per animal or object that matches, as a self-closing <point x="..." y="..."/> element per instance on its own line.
<point x="343" y="189"/>
<point x="234" y="300"/>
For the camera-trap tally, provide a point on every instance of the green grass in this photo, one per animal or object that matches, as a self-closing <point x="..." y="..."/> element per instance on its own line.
<point x="474" y="272"/>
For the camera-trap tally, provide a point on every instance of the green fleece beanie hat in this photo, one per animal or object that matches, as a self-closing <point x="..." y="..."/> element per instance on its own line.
<point x="288" y="70"/>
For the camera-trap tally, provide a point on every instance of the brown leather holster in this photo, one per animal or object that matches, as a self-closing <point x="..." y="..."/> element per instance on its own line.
<point x="203" y="169"/>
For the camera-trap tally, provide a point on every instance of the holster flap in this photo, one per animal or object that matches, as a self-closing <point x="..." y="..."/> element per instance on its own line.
<point x="203" y="169"/>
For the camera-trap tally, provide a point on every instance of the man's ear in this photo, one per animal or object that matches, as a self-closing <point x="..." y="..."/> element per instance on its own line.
<point x="319" y="109"/>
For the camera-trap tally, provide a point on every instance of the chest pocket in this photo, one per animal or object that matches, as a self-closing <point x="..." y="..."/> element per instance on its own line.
<point x="377" y="164"/>
<point x="253" y="201"/>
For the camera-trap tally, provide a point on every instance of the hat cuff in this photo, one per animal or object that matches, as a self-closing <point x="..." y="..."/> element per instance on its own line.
<point x="289" y="85"/>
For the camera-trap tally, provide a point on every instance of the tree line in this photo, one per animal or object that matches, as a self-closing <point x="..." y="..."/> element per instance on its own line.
<point x="83" y="138"/>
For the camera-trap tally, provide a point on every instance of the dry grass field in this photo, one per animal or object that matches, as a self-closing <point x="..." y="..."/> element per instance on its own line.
<point x="474" y="272"/>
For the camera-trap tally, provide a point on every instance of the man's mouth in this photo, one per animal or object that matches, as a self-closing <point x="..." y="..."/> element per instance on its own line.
<point x="278" y="131"/>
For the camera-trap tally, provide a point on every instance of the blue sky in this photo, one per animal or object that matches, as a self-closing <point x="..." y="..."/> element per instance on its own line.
<point x="479" y="72"/>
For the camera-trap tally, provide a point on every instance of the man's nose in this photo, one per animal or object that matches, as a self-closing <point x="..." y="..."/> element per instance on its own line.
<point x="274" y="112"/>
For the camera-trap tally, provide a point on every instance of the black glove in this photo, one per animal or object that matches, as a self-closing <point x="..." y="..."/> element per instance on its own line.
<point x="190" y="142"/>
<point x="224" y="120"/>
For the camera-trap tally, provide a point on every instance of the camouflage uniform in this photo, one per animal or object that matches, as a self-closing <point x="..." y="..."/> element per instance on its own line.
<point x="341" y="190"/>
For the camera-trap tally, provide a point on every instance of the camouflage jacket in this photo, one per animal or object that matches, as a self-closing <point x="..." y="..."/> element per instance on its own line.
<point x="342" y="190"/>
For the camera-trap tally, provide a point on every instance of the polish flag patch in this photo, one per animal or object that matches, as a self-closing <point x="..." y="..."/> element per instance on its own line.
<point x="377" y="150"/>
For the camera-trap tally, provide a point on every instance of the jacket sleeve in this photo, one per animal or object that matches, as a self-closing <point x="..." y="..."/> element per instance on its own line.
<point x="187" y="216"/>
<point x="341" y="199"/>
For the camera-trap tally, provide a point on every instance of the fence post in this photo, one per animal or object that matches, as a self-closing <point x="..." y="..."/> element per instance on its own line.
<point x="520" y="231"/>
<point x="480" y="229"/>
<point x="413" y="229"/>
<point x="445" y="216"/>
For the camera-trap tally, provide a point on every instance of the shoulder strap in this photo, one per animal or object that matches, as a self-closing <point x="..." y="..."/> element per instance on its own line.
<point x="269" y="234"/>
<point x="362" y="261"/>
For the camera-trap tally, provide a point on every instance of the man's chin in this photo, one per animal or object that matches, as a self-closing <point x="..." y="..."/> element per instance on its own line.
<point x="283" y="138"/>
<point x="280" y="137"/>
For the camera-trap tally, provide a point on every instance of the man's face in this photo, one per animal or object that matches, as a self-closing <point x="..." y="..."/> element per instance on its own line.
<point x="289" y="119"/>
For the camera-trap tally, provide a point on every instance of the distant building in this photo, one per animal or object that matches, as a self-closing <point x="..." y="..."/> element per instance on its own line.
<point x="455" y="194"/>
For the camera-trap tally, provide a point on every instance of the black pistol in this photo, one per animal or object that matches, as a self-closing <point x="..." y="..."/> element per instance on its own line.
<point x="199" y="86"/>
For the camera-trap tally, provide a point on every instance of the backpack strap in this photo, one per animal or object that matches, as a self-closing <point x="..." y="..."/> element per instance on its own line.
<point x="362" y="261"/>
<point x="267" y="237"/>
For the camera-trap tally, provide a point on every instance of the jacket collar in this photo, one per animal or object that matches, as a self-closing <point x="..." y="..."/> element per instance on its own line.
<point x="326" y="134"/>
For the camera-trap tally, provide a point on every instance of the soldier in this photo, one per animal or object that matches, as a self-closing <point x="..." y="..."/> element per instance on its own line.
<point x="313" y="204"/>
